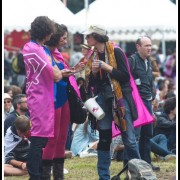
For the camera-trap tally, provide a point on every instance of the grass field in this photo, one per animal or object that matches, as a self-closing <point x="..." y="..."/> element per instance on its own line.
<point x="85" y="169"/>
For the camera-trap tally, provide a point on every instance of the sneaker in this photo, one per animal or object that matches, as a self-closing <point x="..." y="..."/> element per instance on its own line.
<point x="170" y="157"/>
<point x="66" y="171"/>
<point x="155" y="168"/>
<point x="88" y="153"/>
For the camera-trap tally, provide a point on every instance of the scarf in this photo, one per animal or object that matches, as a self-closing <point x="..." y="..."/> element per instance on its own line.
<point x="119" y="110"/>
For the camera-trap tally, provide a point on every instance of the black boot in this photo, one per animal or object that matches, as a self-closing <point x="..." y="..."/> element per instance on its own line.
<point x="58" y="169"/>
<point x="46" y="169"/>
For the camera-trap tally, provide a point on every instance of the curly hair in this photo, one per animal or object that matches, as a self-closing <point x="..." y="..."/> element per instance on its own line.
<point x="100" y="38"/>
<point x="60" y="31"/>
<point x="41" y="27"/>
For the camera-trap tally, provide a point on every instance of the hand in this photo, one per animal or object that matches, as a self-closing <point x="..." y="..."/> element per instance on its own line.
<point x="80" y="66"/>
<point x="66" y="72"/>
<point x="23" y="166"/>
<point x="96" y="65"/>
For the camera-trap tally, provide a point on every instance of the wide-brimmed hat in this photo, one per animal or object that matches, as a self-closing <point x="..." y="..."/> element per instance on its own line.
<point x="85" y="46"/>
<point x="98" y="29"/>
<point x="7" y="96"/>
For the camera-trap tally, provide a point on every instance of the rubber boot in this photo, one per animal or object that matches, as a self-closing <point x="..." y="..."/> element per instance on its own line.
<point x="46" y="169"/>
<point x="103" y="165"/>
<point x="58" y="169"/>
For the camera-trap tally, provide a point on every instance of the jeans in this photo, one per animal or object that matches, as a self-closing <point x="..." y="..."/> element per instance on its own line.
<point x="131" y="149"/>
<point x="145" y="133"/>
<point x="34" y="159"/>
<point x="159" y="145"/>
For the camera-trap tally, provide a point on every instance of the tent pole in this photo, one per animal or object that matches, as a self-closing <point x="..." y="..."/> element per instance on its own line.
<point x="163" y="44"/>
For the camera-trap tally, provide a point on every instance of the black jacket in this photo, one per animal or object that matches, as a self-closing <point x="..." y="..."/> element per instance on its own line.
<point x="138" y="69"/>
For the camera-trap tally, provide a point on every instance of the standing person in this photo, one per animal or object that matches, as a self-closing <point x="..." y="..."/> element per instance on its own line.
<point x="40" y="91"/>
<point x="107" y="70"/>
<point x="140" y="65"/>
<point x="54" y="152"/>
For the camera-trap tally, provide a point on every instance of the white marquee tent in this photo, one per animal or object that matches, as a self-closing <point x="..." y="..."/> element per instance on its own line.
<point x="18" y="14"/>
<point x="127" y="19"/>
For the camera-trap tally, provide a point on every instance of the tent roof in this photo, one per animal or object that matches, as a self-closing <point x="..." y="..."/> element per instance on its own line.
<point x="128" y="17"/>
<point x="18" y="14"/>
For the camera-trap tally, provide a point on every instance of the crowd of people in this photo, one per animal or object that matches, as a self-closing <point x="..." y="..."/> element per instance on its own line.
<point x="37" y="127"/>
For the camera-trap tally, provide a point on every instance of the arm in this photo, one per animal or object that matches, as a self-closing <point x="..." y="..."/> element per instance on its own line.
<point x="162" y="122"/>
<point x="121" y="73"/>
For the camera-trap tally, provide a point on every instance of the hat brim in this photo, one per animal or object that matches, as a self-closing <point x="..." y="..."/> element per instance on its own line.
<point x="87" y="32"/>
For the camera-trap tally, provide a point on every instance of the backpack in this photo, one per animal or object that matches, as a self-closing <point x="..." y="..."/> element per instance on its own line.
<point x="18" y="66"/>
<point x="139" y="169"/>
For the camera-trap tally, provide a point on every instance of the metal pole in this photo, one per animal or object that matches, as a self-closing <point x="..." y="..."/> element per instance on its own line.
<point x="86" y="4"/>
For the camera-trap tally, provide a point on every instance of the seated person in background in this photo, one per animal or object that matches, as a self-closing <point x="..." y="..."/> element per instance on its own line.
<point x="84" y="141"/>
<point x="166" y="123"/>
<point x="16" y="147"/>
<point x="8" y="108"/>
<point x="20" y="108"/>
<point x="117" y="148"/>
<point x="159" y="147"/>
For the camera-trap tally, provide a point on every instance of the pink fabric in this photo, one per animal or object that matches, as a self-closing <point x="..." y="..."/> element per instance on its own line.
<point x="39" y="90"/>
<point x="144" y="116"/>
<point x="55" y="147"/>
<point x="72" y="78"/>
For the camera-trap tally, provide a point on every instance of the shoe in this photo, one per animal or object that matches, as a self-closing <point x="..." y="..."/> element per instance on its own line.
<point x="155" y="168"/>
<point x="68" y="154"/>
<point x="88" y="153"/>
<point x="66" y="171"/>
<point x="170" y="157"/>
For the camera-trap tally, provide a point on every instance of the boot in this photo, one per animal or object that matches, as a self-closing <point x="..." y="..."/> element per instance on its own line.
<point x="58" y="169"/>
<point x="46" y="169"/>
<point x="104" y="161"/>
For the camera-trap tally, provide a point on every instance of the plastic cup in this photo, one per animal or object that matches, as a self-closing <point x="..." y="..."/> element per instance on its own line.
<point x="94" y="108"/>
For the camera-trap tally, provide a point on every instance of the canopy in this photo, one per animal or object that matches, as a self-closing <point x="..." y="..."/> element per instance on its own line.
<point x="128" y="19"/>
<point x="18" y="14"/>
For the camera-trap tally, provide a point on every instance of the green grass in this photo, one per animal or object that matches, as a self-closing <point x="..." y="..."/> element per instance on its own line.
<point x="85" y="169"/>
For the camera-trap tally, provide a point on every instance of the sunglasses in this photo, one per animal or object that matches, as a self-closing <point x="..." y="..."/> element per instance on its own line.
<point x="6" y="102"/>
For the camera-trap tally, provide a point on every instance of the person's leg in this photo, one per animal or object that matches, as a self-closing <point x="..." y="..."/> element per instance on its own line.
<point x="59" y="153"/>
<point x="159" y="145"/>
<point x="10" y="170"/>
<point x="145" y="136"/>
<point x="105" y="135"/>
<point x="49" y="150"/>
<point x="34" y="159"/>
<point x="131" y="149"/>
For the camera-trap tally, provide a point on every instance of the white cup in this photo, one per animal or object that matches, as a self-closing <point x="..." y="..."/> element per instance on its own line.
<point x="94" y="108"/>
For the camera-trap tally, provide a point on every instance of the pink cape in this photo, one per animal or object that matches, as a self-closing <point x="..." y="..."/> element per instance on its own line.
<point x="39" y="90"/>
<point x="144" y="116"/>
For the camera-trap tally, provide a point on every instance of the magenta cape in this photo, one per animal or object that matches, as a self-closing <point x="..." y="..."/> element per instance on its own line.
<point x="39" y="90"/>
<point x="144" y="117"/>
